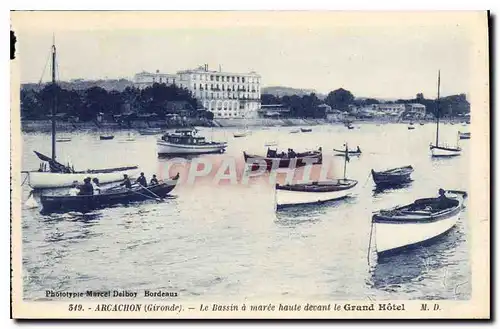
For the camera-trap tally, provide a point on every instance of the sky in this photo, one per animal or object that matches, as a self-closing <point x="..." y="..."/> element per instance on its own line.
<point x="391" y="60"/>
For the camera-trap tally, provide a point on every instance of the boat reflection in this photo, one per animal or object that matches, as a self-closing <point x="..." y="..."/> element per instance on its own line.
<point x="378" y="190"/>
<point x="392" y="271"/>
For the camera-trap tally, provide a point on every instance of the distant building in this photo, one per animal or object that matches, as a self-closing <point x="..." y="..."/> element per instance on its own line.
<point x="146" y="79"/>
<point x="227" y="95"/>
<point x="390" y="109"/>
<point x="415" y="110"/>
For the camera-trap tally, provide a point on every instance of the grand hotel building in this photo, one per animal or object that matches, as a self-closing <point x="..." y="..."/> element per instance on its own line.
<point x="227" y="95"/>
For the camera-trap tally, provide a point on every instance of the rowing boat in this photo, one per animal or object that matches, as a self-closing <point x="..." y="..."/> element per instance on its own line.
<point x="273" y="160"/>
<point x="402" y="228"/>
<point x="313" y="193"/>
<point x="392" y="177"/>
<point x="85" y="203"/>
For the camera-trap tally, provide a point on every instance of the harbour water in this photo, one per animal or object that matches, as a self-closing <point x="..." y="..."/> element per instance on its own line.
<point x="227" y="241"/>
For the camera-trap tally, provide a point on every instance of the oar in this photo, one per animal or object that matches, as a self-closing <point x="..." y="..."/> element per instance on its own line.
<point x="144" y="195"/>
<point x="156" y="195"/>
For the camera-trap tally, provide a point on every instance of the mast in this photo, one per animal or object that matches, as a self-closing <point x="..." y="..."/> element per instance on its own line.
<point x="346" y="158"/>
<point x="54" y="101"/>
<point x="437" y="109"/>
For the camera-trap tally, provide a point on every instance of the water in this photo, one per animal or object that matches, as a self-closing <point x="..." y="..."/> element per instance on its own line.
<point x="227" y="242"/>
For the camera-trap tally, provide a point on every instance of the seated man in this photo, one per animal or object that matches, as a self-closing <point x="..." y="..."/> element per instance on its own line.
<point x="126" y="181"/>
<point x="75" y="190"/>
<point x="154" y="180"/>
<point x="142" y="180"/>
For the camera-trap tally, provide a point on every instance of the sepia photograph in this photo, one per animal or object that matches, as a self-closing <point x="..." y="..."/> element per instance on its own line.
<point x="227" y="164"/>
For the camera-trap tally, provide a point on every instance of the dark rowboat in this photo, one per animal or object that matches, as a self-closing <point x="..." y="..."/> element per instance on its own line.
<point x="106" y="137"/>
<point x="301" y="159"/>
<point x="420" y="222"/>
<point x="392" y="177"/>
<point x="85" y="203"/>
<point x="464" y="135"/>
<point x="306" y="130"/>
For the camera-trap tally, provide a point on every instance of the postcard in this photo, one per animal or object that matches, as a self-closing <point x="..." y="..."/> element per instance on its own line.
<point x="250" y="165"/>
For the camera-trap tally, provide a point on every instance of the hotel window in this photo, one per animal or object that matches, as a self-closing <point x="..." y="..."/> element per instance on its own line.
<point x="195" y="86"/>
<point x="223" y="87"/>
<point x="243" y="79"/>
<point x="211" y="78"/>
<point x="238" y="79"/>
<point x="233" y="79"/>
<point x="211" y="95"/>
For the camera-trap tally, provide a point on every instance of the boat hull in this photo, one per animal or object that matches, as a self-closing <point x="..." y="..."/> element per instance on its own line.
<point x="165" y="148"/>
<point x="444" y="152"/>
<point x="300" y="161"/>
<point x="397" y="237"/>
<point x="85" y="203"/>
<point x="299" y="195"/>
<point x="45" y="180"/>
<point x="397" y="231"/>
<point x="387" y="179"/>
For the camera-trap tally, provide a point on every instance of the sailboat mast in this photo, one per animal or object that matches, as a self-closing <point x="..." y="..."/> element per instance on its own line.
<point x="54" y="101"/>
<point x="345" y="158"/>
<point x="437" y="109"/>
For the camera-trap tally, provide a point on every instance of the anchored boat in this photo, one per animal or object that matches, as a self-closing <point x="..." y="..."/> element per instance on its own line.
<point x="84" y="203"/>
<point x="442" y="150"/>
<point x="274" y="160"/>
<point x="58" y="175"/>
<point x="392" y="177"/>
<point x="464" y="135"/>
<point x="350" y="152"/>
<point x="241" y="134"/>
<point x="420" y="222"/>
<point x="306" y="130"/>
<point x="185" y="141"/>
<point x="315" y="192"/>
<point x="106" y="137"/>
<point x="150" y="131"/>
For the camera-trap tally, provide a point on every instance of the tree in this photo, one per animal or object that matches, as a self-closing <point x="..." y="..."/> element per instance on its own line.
<point x="340" y="99"/>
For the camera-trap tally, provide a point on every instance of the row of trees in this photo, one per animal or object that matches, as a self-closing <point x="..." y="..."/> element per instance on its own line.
<point x="344" y="100"/>
<point x="87" y="104"/>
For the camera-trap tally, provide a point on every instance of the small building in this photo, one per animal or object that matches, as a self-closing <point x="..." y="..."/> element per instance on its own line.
<point x="415" y="110"/>
<point x="146" y="79"/>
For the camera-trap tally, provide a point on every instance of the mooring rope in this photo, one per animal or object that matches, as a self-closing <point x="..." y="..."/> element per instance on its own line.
<point x="367" y="179"/>
<point x="369" y="245"/>
<point x="25" y="178"/>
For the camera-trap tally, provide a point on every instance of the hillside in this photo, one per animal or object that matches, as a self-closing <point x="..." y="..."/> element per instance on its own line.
<point x="281" y="91"/>
<point x="109" y="84"/>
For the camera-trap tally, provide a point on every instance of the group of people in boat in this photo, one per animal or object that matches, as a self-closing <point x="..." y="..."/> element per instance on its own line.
<point x="91" y="186"/>
<point x="274" y="154"/>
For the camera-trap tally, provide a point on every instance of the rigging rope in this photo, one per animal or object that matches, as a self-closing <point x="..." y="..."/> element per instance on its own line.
<point x="44" y="68"/>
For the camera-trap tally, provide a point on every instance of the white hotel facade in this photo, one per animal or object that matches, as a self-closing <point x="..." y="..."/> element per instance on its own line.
<point x="227" y="95"/>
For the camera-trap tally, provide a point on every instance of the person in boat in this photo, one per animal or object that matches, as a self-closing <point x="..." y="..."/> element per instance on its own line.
<point x="142" y="180"/>
<point x="291" y="153"/>
<point x="75" y="190"/>
<point x="86" y="188"/>
<point x="358" y="149"/>
<point x="443" y="201"/>
<point x="96" y="186"/>
<point x="126" y="181"/>
<point x="154" y="180"/>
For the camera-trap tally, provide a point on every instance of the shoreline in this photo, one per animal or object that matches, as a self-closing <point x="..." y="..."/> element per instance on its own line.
<point x="62" y="126"/>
